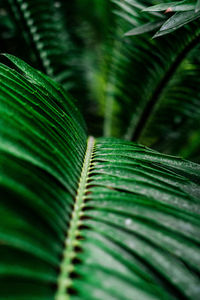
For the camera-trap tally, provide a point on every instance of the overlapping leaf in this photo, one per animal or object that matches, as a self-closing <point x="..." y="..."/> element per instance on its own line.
<point x="185" y="12"/>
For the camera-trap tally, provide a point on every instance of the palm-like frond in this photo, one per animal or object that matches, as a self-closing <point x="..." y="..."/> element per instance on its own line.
<point x="141" y="80"/>
<point x="118" y="78"/>
<point x="67" y="41"/>
<point x="42" y="139"/>
<point x="41" y="22"/>
<point x="174" y="125"/>
<point x="103" y="219"/>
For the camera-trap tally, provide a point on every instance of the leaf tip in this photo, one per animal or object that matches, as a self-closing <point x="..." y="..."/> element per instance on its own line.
<point x="157" y="34"/>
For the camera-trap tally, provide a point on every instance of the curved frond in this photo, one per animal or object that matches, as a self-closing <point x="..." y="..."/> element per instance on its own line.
<point x="97" y="219"/>
<point x="41" y="22"/>
<point x="141" y="76"/>
<point x="178" y="114"/>
<point x="42" y="146"/>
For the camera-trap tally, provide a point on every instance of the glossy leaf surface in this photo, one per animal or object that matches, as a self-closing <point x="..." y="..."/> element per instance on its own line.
<point x="42" y="145"/>
<point x="103" y="218"/>
<point x="176" y="21"/>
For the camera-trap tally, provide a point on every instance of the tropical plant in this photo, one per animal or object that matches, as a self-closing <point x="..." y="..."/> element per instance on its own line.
<point x="89" y="217"/>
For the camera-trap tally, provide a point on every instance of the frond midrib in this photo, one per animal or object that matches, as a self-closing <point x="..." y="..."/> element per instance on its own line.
<point x="69" y="253"/>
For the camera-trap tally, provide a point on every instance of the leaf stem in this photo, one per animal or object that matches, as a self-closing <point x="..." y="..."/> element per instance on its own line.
<point x="64" y="280"/>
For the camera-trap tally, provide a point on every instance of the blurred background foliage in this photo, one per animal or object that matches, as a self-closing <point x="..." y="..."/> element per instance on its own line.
<point x="127" y="85"/>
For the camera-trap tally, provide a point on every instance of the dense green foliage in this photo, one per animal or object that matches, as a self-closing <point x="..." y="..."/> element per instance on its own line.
<point x="92" y="218"/>
<point x="185" y="12"/>
<point x="125" y="85"/>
